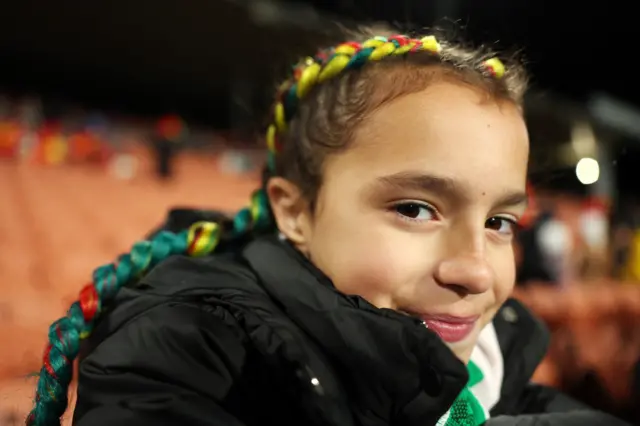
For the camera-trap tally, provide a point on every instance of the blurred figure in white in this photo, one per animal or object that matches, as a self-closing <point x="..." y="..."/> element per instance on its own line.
<point x="556" y="243"/>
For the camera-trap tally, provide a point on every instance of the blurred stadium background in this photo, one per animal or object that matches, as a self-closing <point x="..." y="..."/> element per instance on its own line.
<point x="112" y="113"/>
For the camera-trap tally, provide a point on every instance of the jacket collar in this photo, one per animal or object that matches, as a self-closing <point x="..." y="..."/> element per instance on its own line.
<point x="395" y="371"/>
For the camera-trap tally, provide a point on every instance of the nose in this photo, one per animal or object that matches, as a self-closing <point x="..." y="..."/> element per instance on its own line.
<point x="466" y="270"/>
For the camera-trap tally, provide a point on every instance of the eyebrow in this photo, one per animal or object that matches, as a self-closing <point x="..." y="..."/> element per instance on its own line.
<point x="443" y="185"/>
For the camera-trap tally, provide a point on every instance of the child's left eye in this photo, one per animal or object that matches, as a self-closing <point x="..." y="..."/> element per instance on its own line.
<point x="502" y="225"/>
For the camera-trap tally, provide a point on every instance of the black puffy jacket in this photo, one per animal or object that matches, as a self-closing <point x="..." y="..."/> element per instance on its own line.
<point x="258" y="336"/>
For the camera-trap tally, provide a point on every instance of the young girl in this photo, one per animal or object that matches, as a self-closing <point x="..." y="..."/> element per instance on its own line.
<point x="367" y="284"/>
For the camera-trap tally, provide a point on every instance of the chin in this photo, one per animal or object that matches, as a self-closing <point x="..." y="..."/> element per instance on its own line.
<point x="463" y="354"/>
<point x="463" y="349"/>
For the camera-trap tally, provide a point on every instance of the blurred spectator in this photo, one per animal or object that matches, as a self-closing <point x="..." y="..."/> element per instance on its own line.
<point x="53" y="146"/>
<point x="5" y="107"/>
<point x="594" y="232"/>
<point x="632" y="264"/>
<point x="30" y="113"/>
<point x="545" y="248"/>
<point x="170" y="131"/>
<point x="9" y="138"/>
<point x="625" y="244"/>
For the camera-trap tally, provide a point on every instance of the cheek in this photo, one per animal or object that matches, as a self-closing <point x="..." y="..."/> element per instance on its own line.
<point x="375" y="280"/>
<point x="362" y="258"/>
<point x="505" y="268"/>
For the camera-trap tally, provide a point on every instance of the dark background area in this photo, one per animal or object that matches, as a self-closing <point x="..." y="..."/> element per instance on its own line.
<point x="180" y="55"/>
<point x="114" y="67"/>
<point x="147" y="58"/>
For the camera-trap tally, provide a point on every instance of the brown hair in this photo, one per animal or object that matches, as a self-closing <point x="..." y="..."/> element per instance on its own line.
<point x="324" y="121"/>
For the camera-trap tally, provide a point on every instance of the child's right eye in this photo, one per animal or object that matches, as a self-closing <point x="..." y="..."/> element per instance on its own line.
<point x="415" y="211"/>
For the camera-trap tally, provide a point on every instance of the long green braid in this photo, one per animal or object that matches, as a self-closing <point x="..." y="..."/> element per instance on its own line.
<point x="66" y="334"/>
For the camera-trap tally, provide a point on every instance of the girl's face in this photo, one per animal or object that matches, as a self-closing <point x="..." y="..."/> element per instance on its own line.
<point x="418" y="214"/>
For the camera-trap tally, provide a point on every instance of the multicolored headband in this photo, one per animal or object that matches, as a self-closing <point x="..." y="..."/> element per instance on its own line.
<point x="329" y="63"/>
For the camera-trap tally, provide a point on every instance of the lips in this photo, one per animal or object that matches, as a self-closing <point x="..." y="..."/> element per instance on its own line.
<point x="450" y="329"/>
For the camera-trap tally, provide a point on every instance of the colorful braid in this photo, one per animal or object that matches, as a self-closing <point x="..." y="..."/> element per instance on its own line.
<point x="66" y="333"/>
<point x="329" y="63"/>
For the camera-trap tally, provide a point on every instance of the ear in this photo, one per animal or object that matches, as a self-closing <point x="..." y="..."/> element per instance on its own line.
<point x="291" y="211"/>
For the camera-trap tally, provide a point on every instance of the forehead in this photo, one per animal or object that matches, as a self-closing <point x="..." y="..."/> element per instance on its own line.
<point x="447" y="129"/>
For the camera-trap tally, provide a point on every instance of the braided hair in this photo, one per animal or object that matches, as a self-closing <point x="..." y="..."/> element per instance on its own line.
<point x="296" y="145"/>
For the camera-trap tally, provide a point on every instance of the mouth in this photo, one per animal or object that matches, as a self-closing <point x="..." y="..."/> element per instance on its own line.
<point x="450" y="328"/>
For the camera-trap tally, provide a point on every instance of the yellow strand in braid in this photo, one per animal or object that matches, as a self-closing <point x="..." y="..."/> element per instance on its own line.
<point x="332" y="68"/>
<point x="495" y="67"/>
<point x="202" y="238"/>
<point x="308" y="79"/>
